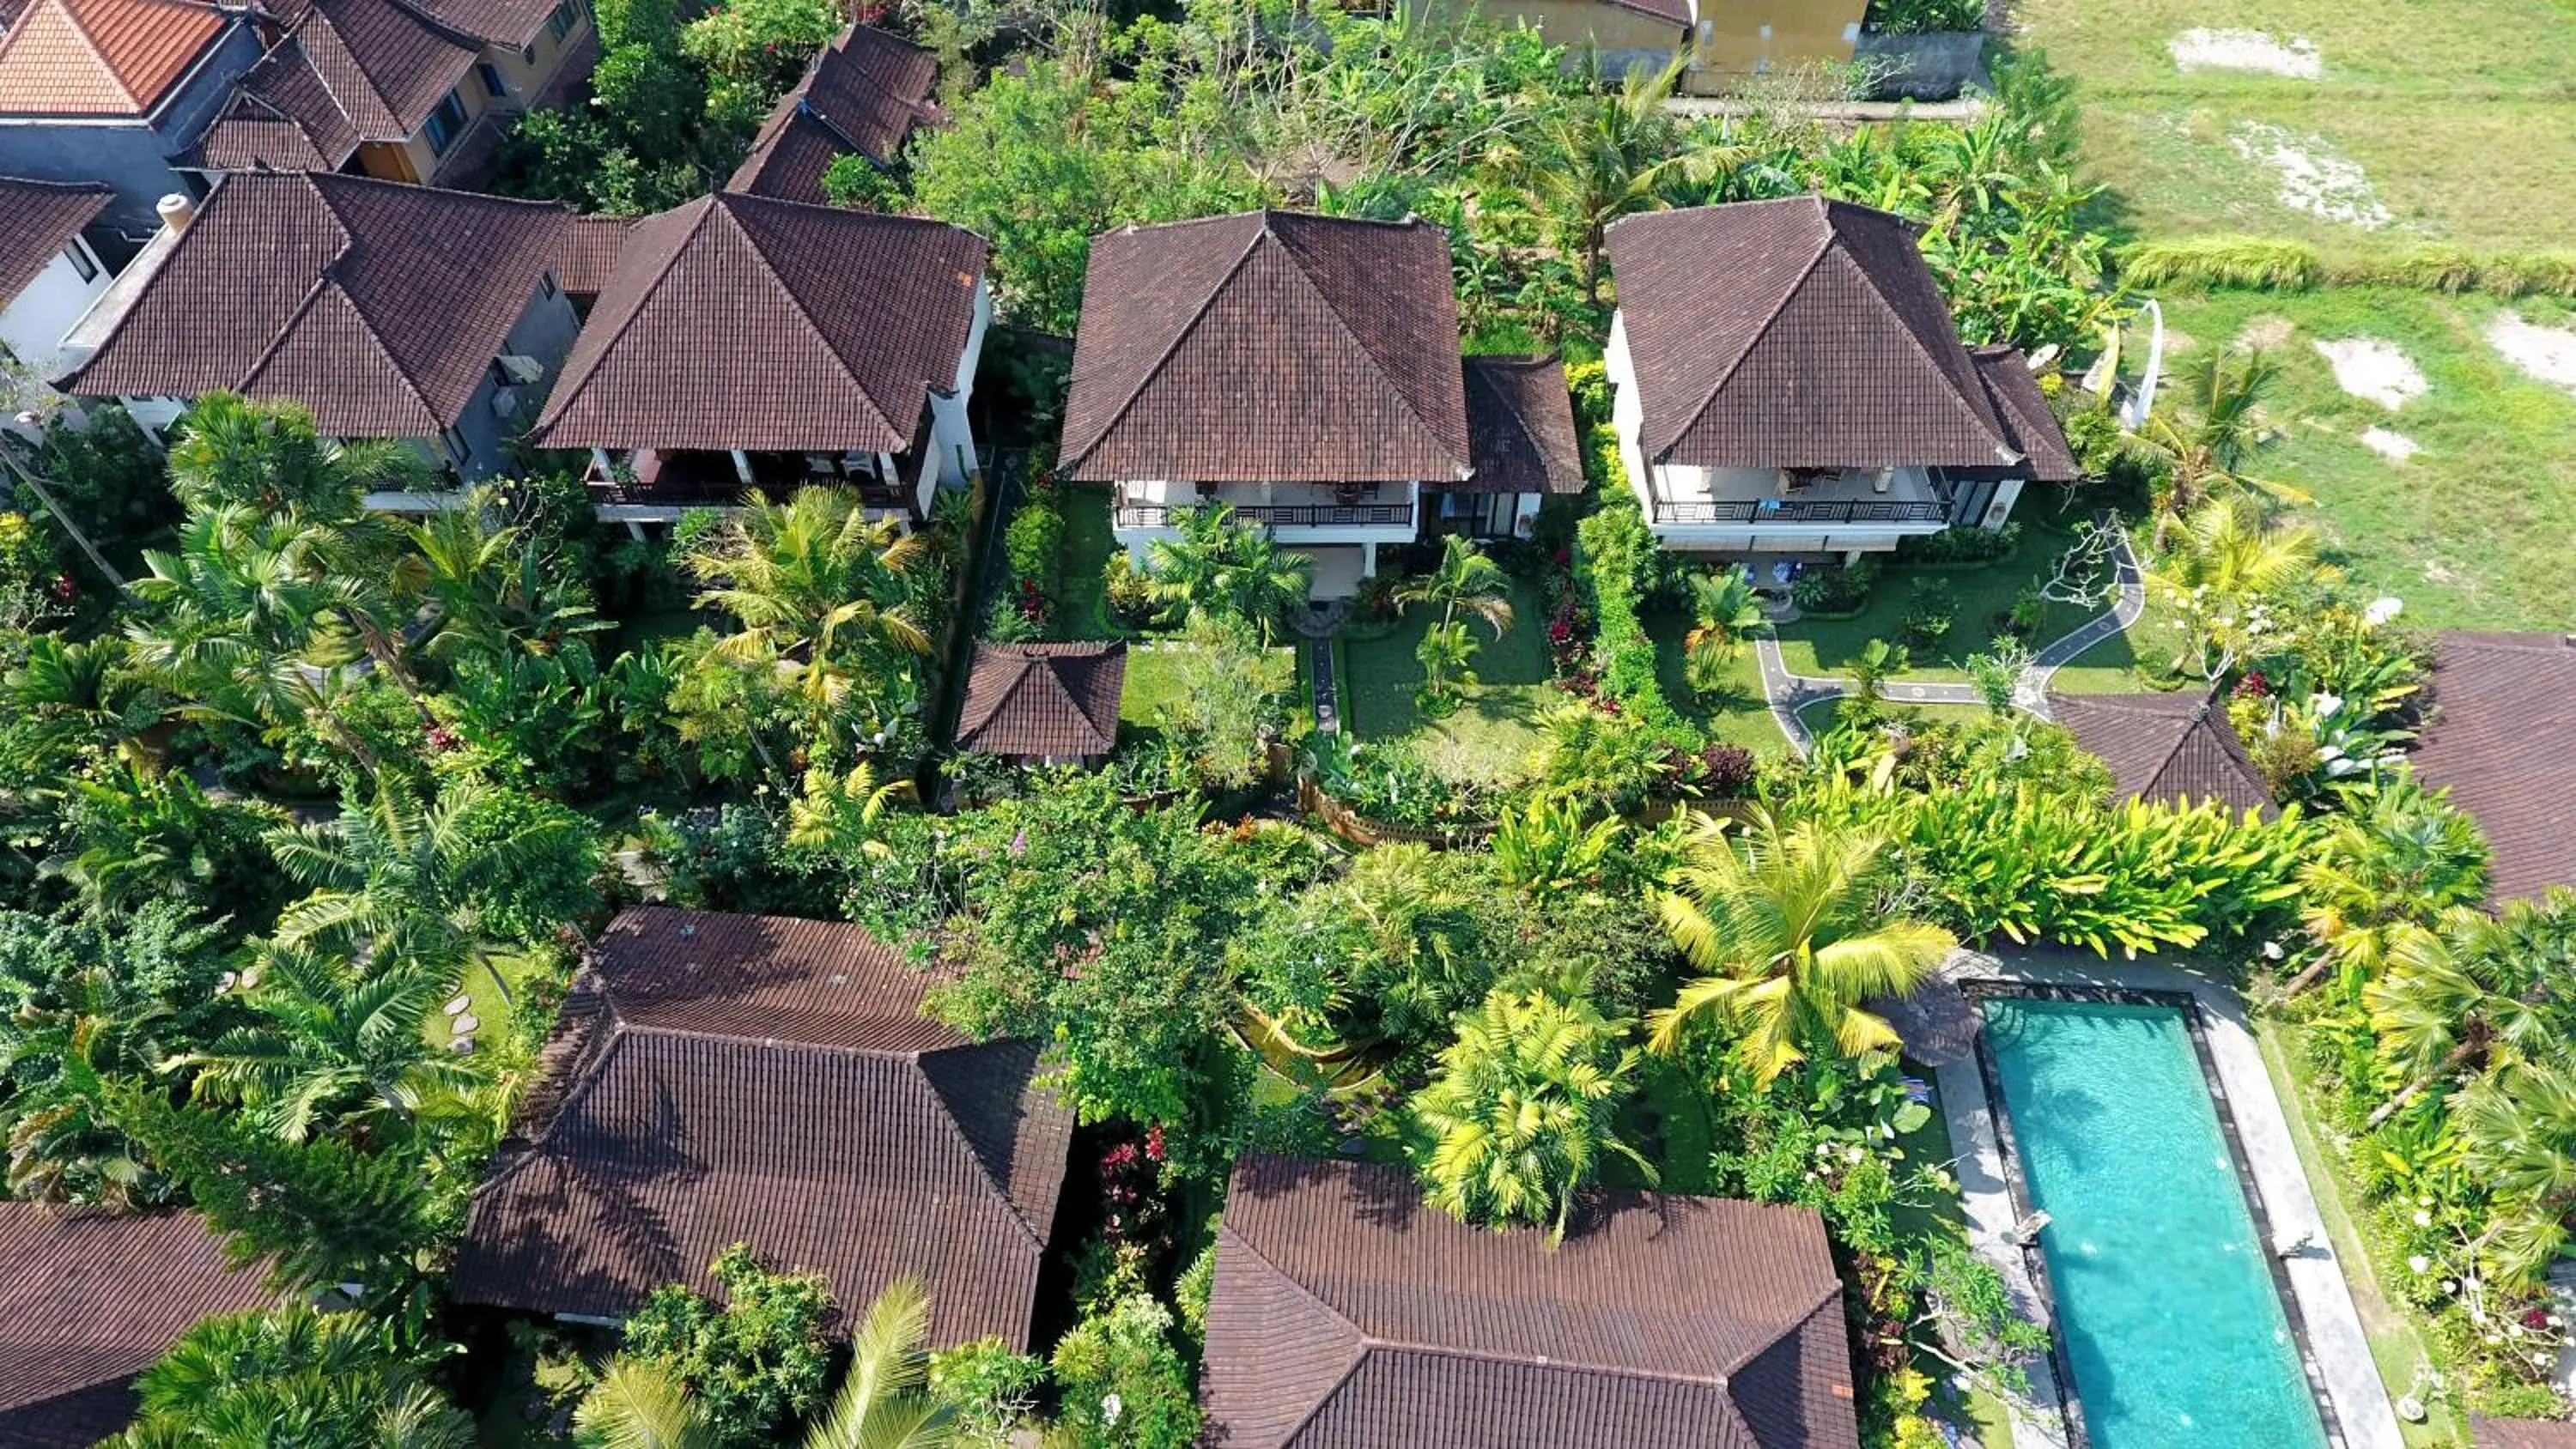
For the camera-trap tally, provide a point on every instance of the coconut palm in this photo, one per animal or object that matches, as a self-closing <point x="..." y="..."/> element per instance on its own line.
<point x="1519" y="1115"/>
<point x="337" y="1048"/>
<point x="2409" y="853"/>
<point x="1464" y="579"/>
<point x="267" y="457"/>
<point x="425" y="885"/>
<point x="1262" y="581"/>
<point x="2212" y="438"/>
<point x="495" y="589"/>
<point x="1786" y="930"/>
<point x="1608" y="155"/>
<point x="2217" y="570"/>
<point x="810" y="578"/>
<point x="231" y="613"/>
<point x="883" y="1402"/>
<point x="1726" y="611"/>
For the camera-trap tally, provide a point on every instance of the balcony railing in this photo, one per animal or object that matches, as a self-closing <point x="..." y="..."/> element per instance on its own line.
<point x="687" y="480"/>
<point x="1327" y="515"/>
<point x="1759" y="511"/>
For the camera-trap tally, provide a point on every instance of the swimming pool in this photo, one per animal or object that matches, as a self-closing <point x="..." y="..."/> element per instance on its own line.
<point x="2170" y="1323"/>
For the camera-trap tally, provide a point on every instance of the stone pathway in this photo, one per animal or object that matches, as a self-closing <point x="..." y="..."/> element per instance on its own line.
<point x="1328" y="707"/>
<point x="1789" y="693"/>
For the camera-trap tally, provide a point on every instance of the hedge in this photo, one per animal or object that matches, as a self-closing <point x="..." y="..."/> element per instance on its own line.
<point x="2275" y="265"/>
<point x="1614" y="553"/>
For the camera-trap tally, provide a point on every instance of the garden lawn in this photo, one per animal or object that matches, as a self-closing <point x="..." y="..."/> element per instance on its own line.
<point x="1735" y="715"/>
<point x="1498" y="728"/>
<point x="1154" y="680"/>
<point x="2477" y="530"/>
<point x="1083" y="610"/>
<point x="2461" y="116"/>
<point x="1985" y="593"/>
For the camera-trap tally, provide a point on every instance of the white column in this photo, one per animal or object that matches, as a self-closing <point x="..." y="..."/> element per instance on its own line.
<point x="1368" y="560"/>
<point x="599" y="460"/>
<point x="741" y="465"/>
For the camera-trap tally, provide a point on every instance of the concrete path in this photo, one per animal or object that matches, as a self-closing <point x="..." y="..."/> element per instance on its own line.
<point x="1789" y="693"/>
<point x="1328" y="699"/>
<point x="2338" y="1351"/>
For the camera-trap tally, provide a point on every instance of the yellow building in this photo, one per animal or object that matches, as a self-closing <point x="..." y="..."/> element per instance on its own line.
<point x="1728" y="39"/>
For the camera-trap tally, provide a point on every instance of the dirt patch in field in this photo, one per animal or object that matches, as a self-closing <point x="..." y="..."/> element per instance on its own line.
<point x="2312" y="177"/>
<point x="2266" y="333"/>
<point x="2547" y="353"/>
<point x="2246" y="50"/>
<point x="2369" y="368"/>
<point x="2395" y="447"/>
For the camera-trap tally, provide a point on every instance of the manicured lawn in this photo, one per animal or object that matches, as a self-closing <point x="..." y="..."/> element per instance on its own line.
<point x="1736" y="714"/>
<point x="1984" y="595"/>
<point x="1154" y="679"/>
<point x="492" y="1013"/>
<point x="2459" y="116"/>
<point x="2476" y="531"/>
<point x="1083" y="611"/>
<point x="1494" y="733"/>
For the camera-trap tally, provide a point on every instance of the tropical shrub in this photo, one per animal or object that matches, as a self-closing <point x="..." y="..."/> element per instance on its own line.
<point x="1034" y="547"/>
<point x="1614" y="556"/>
<point x="988" y="1390"/>
<point x="1385" y="952"/>
<point x="1960" y="545"/>
<point x="757" y="1365"/>
<point x="1930" y="612"/>
<point x="1518" y="1118"/>
<point x="1125" y="1384"/>
<point x="292" y="1376"/>
<point x="1836" y="590"/>
<point x="1924" y="17"/>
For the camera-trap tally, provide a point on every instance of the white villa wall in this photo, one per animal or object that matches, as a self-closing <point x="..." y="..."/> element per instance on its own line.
<point x="951" y="434"/>
<point x="34" y="323"/>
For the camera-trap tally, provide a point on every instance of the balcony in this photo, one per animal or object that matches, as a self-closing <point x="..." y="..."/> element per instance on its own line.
<point x="677" y="479"/>
<point x="1296" y="512"/>
<point x="1768" y="509"/>
<point x="1816" y="511"/>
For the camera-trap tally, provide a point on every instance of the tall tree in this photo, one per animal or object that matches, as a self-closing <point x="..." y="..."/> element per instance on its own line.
<point x="1788" y="929"/>
<point x="268" y="458"/>
<point x="2477" y="991"/>
<point x="2210" y="440"/>
<point x="291" y="1378"/>
<point x="2400" y="860"/>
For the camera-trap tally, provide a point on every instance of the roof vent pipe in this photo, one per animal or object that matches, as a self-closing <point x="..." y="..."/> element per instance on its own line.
<point x="176" y="211"/>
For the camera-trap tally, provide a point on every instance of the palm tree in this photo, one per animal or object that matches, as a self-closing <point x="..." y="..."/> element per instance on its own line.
<point x="1727" y="611"/>
<point x="1464" y="579"/>
<point x="1520" y="1114"/>
<point x="2517" y="1128"/>
<point x="1445" y="654"/>
<point x="1786" y="931"/>
<point x="2463" y="995"/>
<point x="2218" y="569"/>
<point x="1606" y="156"/>
<point x="495" y="588"/>
<point x="812" y="584"/>
<point x="290" y="1375"/>
<point x="1182" y="572"/>
<point x="337" y="1048"/>
<point x="1877" y="662"/>
<point x="2211" y="441"/>
<point x="883" y="1402"/>
<point x="402" y="882"/>
<point x="232" y="614"/>
<point x="1262" y="581"/>
<point x="267" y="457"/>
<point x="2408" y="854"/>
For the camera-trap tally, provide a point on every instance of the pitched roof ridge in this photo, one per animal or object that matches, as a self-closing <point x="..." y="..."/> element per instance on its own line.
<point x="590" y="1067"/>
<point x="445" y="27"/>
<point x="1989" y="424"/>
<point x="781" y="1043"/>
<point x="329" y="280"/>
<point x="726" y="201"/>
<point x="560" y="402"/>
<point x="1198" y="314"/>
<point x="1035" y="1233"/>
<point x="72" y="17"/>
<point x="1466" y="466"/>
<point x="1824" y="246"/>
<point x="317" y="15"/>
<point x="1025" y="662"/>
<point x="1829" y="1297"/>
<point x="1467" y="368"/>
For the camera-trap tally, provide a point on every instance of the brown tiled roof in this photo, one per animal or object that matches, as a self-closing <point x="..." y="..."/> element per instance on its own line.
<point x="2523" y="1433"/>
<point x="1269" y="346"/>
<point x="1520" y="428"/>
<point x="2169" y="747"/>
<point x="101" y="57"/>
<point x="721" y="1079"/>
<point x="38" y="219"/>
<point x="1043" y="699"/>
<point x="378" y="305"/>
<point x="281" y="117"/>
<point x="741" y="322"/>
<point x="592" y="247"/>
<point x="1348" y="1315"/>
<point x="865" y="92"/>
<point x="2023" y="409"/>
<point x="387" y="66"/>
<point x="507" y="23"/>
<point x="1801" y="333"/>
<point x="2502" y="736"/>
<point x="91" y="1299"/>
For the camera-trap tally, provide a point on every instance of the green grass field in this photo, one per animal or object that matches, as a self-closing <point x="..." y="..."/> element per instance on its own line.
<point x="2476" y="531"/>
<point x="2461" y="115"/>
<point x="1495" y="733"/>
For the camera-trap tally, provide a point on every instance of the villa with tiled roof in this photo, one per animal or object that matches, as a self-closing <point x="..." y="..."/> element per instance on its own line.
<point x="117" y="92"/>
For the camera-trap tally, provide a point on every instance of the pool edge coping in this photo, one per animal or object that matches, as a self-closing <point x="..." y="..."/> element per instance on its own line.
<point x="2070" y="1399"/>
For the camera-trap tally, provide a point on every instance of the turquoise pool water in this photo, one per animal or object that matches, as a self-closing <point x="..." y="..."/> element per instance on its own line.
<point x="2173" y="1330"/>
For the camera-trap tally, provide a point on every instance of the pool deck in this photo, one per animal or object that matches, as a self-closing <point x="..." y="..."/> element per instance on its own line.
<point x="1939" y="1026"/>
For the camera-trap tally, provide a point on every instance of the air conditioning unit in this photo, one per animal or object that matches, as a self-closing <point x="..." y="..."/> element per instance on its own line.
<point x="521" y="370"/>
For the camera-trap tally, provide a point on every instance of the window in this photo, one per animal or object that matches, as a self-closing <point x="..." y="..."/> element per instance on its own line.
<point x="445" y="124"/>
<point x="546" y="286"/>
<point x="82" y="262"/>
<point x="454" y="443"/>
<point x="562" y="20"/>
<point x="492" y="85"/>
<point x="528" y="53"/>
